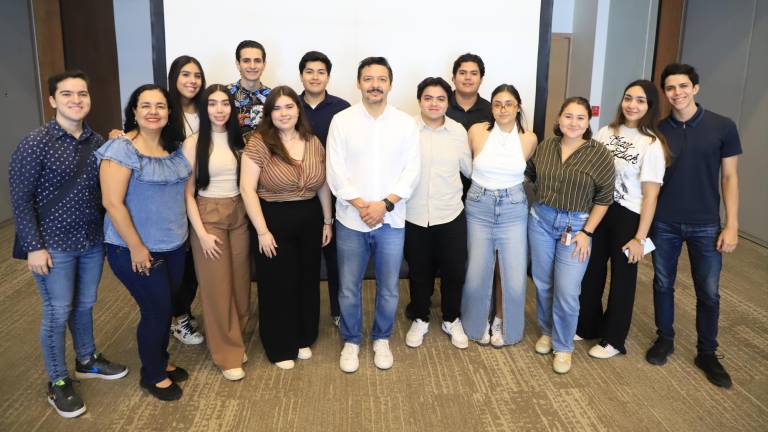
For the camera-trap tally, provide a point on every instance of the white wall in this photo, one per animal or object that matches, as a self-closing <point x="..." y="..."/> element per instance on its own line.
<point x="562" y="16"/>
<point x="419" y="38"/>
<point x="134" y="45"/>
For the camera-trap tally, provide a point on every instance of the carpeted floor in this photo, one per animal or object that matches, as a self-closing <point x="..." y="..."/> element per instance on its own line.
<point x="433" y="388"/>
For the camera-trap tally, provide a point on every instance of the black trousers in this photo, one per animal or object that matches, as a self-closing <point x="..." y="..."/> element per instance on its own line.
<point x="289" y="282"/>
<point x="438" y="247"/>
<point x="182" y="301"/>
<point x="618" y="226"/>
<point x="332" y="267"/>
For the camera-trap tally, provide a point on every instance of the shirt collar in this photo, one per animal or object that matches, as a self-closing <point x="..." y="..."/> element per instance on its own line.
<point x="478" y="105"/>
<point x="387" y="110"/>
<point x="59" y="131"/>
<point x="326" y="100"/>
<point x="421" y="125"/>
<point x="264" y="90"/>
<point x="691" y="122"/>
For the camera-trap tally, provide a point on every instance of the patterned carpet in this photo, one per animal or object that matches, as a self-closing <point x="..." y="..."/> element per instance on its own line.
<point x="433" y="388"/>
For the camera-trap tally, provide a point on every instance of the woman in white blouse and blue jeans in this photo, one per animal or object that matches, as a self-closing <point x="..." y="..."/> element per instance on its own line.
<point x="496" y="209"/>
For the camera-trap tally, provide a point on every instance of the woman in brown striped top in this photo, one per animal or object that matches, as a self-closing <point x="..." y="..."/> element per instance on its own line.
<point x="281" y="179"/>
<point x="573" y="175"/>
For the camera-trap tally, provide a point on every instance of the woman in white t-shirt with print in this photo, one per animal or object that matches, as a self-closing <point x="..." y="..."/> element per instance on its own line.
<point x="640" y="154"/>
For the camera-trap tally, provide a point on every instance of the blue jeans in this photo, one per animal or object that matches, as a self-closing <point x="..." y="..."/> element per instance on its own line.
<point x="354" y="249"/>
<point x="496" y="221"/>
<point x="153" y="294"/>
<point x="556" y="273"/>
<point x="68" y="294"/>
<point x="706" y="263"/>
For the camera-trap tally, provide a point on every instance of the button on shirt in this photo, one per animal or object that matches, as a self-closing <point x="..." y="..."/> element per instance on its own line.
<point x="320" y="116"/>
<point x="444" y="153"/>
<point x="370" y="158"/>
<point x="41" y="164"/>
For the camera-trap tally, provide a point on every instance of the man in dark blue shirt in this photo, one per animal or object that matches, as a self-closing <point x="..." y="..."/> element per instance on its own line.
<point x="705" y="148"/>
<point x="54" y="168"/>
<point x="320" y="107"/>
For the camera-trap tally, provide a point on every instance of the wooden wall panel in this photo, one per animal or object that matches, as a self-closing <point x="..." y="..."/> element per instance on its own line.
<point x="50" y="47"/>
<point x="88" y="29"/>
<point x="668" y="36"/>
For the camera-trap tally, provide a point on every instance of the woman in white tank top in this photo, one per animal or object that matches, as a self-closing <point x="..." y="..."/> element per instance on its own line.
<point x="219" y="235"/>
<point x="496" y="210"/>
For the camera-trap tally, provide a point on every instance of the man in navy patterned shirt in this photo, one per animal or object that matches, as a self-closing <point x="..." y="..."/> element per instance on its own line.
<point x="64" y="244"/>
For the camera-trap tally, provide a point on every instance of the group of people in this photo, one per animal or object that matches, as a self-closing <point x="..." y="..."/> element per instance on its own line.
<point x="284" y="177"/>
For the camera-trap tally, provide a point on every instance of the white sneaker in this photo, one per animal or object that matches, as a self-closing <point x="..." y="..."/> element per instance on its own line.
<point x="486" y="337"/>
<point x="187" y="334"/>
<point x="286" y="364"/>
<point x="234" y="374"/>
<point x="245" y="358"/>
<point x="415" y="336"/>
<point x="603" y="350"/>
<point x="544" y="344"/>
<point x="382" y="356"/>
<point x="577" y="338"/>
<point x="497" y="336"/>
<point x="348" y="362"/>
<point x="459" y="339"/>
<point x="336" y="320"/>
<point x="305" y="353"/>
<point x="562" y="362"/>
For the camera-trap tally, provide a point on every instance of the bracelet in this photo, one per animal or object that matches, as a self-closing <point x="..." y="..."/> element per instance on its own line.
<point x="587" y="233"/>
<point x="328" y="221"/>
<point x="639" y="240"/>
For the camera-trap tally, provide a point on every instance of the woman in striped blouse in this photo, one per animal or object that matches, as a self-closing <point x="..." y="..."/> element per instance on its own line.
<point x="573" y="176"/>
<point x="281" y="179"/>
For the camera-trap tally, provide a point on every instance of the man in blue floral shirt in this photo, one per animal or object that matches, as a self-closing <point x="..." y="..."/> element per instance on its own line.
<point x="249" y="92"/>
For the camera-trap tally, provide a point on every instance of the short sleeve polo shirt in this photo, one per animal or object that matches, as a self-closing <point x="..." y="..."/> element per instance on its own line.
<point x="691" y="191"/>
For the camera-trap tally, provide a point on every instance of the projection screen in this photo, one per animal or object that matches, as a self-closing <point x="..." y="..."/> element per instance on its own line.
<point x="419" y="38"/>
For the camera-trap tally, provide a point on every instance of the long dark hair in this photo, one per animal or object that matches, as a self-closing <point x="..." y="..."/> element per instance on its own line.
<point x="647" y="125"/>
<point x="269" y="132"/>
<point x="578" y="100"/>
<point x="173" y="91"/>
<point x="204" y="150"/>
<point x="169" y="141"/>
<point x="509" y="88"/>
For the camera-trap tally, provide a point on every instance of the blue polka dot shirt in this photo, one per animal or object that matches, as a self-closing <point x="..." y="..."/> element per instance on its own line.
<point x="43" y="161"/>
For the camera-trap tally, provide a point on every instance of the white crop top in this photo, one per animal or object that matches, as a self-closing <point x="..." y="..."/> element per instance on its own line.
<point x="500" y="164"/>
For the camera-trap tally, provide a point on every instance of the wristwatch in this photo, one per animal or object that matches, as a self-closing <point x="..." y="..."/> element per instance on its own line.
<point x="388" y="204"/>
<point x="328" y="221"/>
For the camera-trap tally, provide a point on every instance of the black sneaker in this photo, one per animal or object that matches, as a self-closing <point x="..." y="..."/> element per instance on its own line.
<point x="64" y="399"/>
<point x="171" y="393"/>
<point x="715" y="371"/>
<point x="99" y="367"/>
<point x="661" y="349"/>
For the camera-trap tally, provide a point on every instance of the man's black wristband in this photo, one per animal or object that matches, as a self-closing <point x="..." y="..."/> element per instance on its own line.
<point x="589" y="234"/>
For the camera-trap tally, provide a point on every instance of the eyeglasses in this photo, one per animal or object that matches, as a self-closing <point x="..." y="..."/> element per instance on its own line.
<point x="509" y="106"/>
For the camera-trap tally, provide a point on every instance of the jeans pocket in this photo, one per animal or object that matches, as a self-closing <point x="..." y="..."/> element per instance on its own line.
<point x="517" y="196"/>
<point x="473" y="195"/>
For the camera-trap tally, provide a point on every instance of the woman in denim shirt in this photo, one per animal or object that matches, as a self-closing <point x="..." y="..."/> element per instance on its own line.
<point x="142" y="181"/>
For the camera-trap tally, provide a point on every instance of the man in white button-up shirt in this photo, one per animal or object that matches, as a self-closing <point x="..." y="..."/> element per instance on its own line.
<point x="435" y="227"/>
<point x="372" y="168"/>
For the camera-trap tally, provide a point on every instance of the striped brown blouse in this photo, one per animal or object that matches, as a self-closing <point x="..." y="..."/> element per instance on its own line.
<point x="585" y="179"/>
<point x="279" y="181"/>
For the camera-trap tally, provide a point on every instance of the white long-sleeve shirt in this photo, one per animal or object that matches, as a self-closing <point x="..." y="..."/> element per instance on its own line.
<point x="444" y="153"/>
<point x="370" y="158"/>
